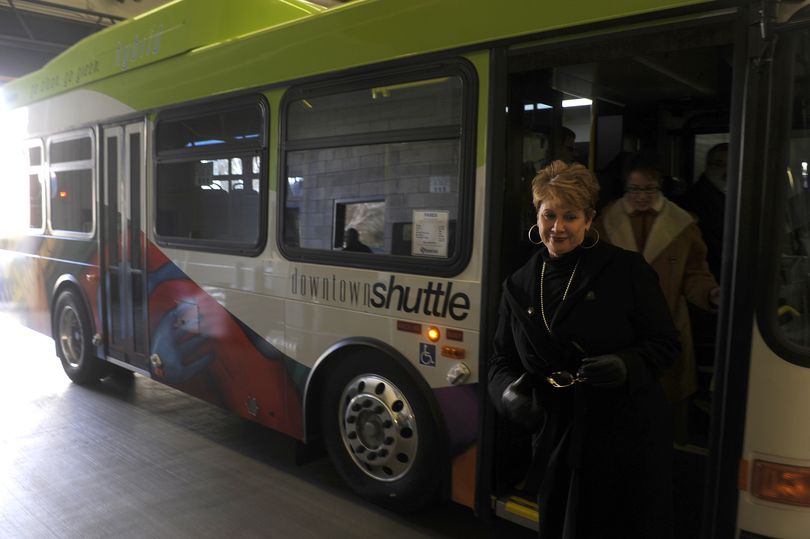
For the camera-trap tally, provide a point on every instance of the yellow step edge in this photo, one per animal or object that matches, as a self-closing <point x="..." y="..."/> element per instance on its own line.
<point x="523" y="508"/>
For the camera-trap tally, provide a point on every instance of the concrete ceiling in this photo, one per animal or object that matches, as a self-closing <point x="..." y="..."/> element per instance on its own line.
<point x="34" y="31"/>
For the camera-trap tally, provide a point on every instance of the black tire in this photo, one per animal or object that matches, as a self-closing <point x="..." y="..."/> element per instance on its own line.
<point x="71" y="331"/>
<point x="410" y="464"/>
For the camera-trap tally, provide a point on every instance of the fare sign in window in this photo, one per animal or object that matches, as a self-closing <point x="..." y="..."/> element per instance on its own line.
<point x="430" y="233"/>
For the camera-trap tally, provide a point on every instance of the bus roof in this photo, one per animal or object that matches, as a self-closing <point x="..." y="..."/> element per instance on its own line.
<point x="296" y="38"/>
<point x="171" y="29"/>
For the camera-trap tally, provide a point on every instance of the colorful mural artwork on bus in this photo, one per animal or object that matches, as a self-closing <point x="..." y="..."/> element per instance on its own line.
<point x="31" y="271"/>
<point x="198" y="347"/>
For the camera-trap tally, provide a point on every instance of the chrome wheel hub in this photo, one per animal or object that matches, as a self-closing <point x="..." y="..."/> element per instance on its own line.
<point x="378" y="427"/>
<point x="71" y="339"/>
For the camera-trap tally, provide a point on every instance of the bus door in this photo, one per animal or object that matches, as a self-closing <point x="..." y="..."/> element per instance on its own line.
<point x="772" y="451"/>
<point x="597" y="101"/>
<point x="125" y="275"/>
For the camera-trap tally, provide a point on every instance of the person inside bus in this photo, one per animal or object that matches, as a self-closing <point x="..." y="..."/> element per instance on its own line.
<point x="645" y="221"/>
<point x="353" y="243"/>
<point x="583" y="336"/>
<point x="707" y="200"/>
<point x="566" y="150"/>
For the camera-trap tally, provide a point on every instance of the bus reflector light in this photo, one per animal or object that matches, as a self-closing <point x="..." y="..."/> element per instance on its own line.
<point x="433" y="334"/>
<point x="781" y="483"/>
<point x="62" y="194"/>
<point x="742" y="474"/>
<point x="453" y="352"/>
<point x="410" y="327"/>
<point x="454" y="335"/>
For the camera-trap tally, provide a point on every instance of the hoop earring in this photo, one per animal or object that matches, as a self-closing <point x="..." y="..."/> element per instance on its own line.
<point x="538" y="234"/>
<point x="591" y="246"/>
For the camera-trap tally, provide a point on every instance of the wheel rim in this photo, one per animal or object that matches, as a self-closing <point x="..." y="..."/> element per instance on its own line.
<point x="378" y="427"/>
<point x="71" y="339"/>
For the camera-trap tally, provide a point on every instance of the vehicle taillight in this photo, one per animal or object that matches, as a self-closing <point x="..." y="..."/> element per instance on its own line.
<point x="781" y="483"/>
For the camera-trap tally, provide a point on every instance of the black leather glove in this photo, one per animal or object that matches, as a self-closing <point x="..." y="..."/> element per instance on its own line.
<point x="520" y="406"/>
<point x="604" y="371"/>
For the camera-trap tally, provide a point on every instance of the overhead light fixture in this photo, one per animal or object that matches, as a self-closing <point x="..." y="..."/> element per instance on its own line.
<point x="580" y="102"/>
<point x="385" y="91"/>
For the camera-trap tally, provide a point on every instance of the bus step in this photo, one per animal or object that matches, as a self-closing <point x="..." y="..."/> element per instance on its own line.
<point x="518" y="510"/>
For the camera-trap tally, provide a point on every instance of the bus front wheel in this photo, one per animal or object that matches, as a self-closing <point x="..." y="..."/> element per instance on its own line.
<point x="381" y="434"/>
<point x="72" y="332"/>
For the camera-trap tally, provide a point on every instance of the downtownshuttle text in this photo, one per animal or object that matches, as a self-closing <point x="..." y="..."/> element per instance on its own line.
<point x="435" y="298"/>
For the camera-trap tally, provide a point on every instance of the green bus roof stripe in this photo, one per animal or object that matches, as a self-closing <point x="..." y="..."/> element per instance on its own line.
<point x="162" y="33"/>
<point x="237" y="48"/>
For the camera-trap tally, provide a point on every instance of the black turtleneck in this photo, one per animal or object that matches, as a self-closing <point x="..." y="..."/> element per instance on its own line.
<point x="558" y="272"/>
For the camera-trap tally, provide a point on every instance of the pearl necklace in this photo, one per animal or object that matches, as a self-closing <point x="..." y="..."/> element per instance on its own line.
<point x="565" y="293"/>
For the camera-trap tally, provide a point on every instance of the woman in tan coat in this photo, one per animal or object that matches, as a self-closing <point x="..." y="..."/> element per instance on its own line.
<point x="668" y="237"/>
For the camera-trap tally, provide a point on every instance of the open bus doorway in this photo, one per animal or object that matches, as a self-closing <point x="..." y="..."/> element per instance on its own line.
<point x="672" y="103"/>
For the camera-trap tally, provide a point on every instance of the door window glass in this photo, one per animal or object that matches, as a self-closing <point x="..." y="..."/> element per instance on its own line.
<point x="793" y="281"/>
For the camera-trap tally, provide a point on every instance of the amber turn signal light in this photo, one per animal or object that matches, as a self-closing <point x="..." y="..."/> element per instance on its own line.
<point x="781" y="483"/>
<point x="433" y="334"/>
<point x="453" y="352"/>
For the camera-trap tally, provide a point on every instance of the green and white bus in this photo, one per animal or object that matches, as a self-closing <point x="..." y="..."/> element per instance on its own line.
<point x="304" y="215"/>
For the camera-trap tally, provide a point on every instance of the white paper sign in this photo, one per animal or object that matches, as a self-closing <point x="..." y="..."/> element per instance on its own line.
<point x="440" y="184"/>
<point x="430" y="233"/>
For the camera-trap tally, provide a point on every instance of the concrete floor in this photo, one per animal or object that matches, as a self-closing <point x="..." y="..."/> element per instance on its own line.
<point x="142" y="460"/>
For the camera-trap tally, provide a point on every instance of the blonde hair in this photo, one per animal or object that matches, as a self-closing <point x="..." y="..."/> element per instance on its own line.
<point x="572" y="184"/>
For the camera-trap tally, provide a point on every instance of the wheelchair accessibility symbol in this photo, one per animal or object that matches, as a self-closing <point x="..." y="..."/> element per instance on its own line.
<point x="427" y="354"/>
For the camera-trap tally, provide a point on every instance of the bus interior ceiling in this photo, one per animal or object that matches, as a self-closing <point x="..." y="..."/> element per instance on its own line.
<point x="665" y="93"/>
<point x="657" y="101"/>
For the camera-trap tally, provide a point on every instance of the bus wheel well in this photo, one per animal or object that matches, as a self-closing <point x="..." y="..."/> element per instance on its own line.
<point x="64" y="284"/>
<point x="328" y="362"/>
<point x="414" y="462"/>
<point x="72" y="332"/>
<point x="316" y="385"/>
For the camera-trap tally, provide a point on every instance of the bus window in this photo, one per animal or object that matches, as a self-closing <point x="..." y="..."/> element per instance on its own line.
<point x="209" y="179"/>
<point x="376" y="170"/>
<point x="35" y="198"/>
<point x="397" y="175"/>
<point x="793" y="290"/>
<point x="418" y="104"/>
<point x="360" y="218"/>
<point x="35" y="193"/>
<point x="70" y="164"/>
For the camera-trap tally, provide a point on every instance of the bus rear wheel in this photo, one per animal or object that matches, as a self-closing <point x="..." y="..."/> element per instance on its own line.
<point x="72" y="332"/>
<point x="381" y="434"/>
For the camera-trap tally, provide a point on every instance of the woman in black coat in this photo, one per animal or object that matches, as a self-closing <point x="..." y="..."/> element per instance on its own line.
<point x="591" y="318"/>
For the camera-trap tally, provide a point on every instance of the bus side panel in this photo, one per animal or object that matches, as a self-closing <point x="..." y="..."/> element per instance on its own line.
<point x="316" y="320"/>
<point x="32" y="269"/>
<point x="22" y="286"/>
<point x="459" y="406"/>
<point x="775" y="431"/>
<point x="199" y="347"/>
